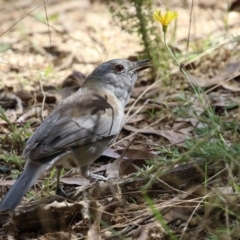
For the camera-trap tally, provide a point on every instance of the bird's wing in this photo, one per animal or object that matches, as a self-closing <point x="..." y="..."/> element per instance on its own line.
<point x="83" y="118"/>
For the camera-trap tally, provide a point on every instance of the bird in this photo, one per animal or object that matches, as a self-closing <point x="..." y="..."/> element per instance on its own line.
<point x="80" y="128"/>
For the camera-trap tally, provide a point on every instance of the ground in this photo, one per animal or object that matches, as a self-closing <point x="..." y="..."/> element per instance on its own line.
<point x="174" y="166"/>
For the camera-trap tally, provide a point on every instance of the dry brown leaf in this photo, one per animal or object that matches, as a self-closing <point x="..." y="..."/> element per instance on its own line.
<point x="7" y="182"/>
<point x="58" y="235"/>
<point x="136" y="159"/>
<point x="123" y="167"/>
<point x="75" y="181"/>
<point x="137" y="154"/>
<point x="112" y="170"/>
<point x="94" y="232"/>
<point x="95" y="211"/>
<point x="194" y="122"/>
<point x="179" y="123"/>
<point x="186" y="130"/>
<point x="151" y="230"/>
<point x="111" y="153"/>
<point x="142" y="233"/>
<point x="138" y="90"/>
<point x="133" y="159"/>
<point x="172" y="136"/>
<point x="231" y="86"/>
<point x="224" y="100"/>
<point x="137" y="118"/>
<point x="235" y="6"/>
<point x="75" y="79"/>
<point x="127" y="167"/>
<point x="144" y="107"/>
<point x="230" y="70"/>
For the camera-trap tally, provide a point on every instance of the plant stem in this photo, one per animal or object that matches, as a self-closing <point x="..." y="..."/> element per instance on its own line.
<point x="178" y="63"/>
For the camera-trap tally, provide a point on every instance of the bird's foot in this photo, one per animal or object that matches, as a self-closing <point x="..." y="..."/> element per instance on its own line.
<point x="94" y="177"/>
<point x="60" y="192"/>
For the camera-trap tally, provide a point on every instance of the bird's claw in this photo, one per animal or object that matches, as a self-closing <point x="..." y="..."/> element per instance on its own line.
<point x="94" y="177"/>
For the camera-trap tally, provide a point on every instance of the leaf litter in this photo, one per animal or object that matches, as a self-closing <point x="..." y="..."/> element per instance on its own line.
<point x="119" y="208"/>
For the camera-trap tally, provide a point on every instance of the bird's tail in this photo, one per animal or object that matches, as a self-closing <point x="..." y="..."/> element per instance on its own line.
<point x="32" y="172"/>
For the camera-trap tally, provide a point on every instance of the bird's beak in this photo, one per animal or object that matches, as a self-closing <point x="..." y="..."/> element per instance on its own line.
<point x="142" y="64"/>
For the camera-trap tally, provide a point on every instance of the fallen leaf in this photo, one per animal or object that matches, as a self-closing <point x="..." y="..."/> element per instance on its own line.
<point x="75" y="181"/>
<point x="75" y="79"/>
<point x="7" y="182"/>
<point x="235" y="6"/>
<point x="137" y="118"/>
<point x="172" y="136"/>
<point x="95" y="213"/>
<point x="112" y="170"/>
<point x="230" y="70"/>
<point x="111" y="153"/>
<point x="137" y="154"/>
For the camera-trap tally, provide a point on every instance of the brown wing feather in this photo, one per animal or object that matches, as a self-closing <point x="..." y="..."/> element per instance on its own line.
<point x="81" y="119"/>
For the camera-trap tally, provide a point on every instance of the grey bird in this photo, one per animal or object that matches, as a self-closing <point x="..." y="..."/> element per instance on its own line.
<point x="80" y="128"/>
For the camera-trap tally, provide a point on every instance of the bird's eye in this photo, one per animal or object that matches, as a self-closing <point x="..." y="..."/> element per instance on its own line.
<point x="119" y="68"/>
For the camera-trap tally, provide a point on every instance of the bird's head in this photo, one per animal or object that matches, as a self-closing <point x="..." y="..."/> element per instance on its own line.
<point x="118" y="76"/>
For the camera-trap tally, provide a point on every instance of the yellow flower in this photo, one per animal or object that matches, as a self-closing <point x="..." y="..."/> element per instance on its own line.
<point x="165" y="18"/>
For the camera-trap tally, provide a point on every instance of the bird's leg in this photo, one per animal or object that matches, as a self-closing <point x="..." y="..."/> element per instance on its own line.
<point x="59" y="190"/>
<point x="91" y="176"/>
